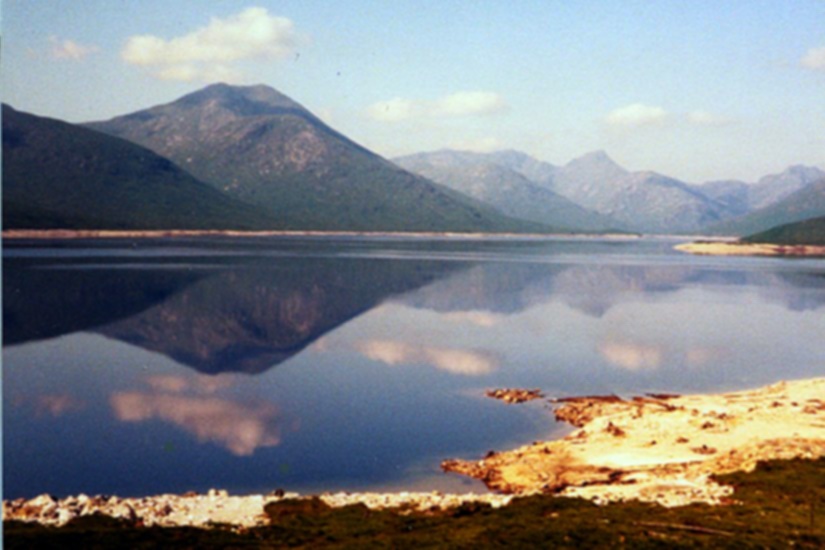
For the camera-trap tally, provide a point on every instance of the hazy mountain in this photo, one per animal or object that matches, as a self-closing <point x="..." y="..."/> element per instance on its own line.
<point x="810" y="231"/>
<point x="480" y="176"/>
<point x="59" y="175"/>
<point x="264" y="148"/>
<point x="644" y="201"/>
<point x="773" y="188"/>
<point x="732" y="194"/>
<point x="806" y="203"/>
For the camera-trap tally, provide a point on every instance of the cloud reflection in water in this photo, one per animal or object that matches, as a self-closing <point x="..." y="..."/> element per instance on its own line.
<point x="241" y="428"/>
<point x="455" y="361"/>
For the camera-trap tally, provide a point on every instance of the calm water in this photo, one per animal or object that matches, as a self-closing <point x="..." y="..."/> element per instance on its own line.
<point x="344" y="364"/>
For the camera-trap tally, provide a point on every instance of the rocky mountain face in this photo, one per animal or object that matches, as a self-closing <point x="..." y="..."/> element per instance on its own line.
<point x="492" y="181"/>
<point x="60" y="175"/>
<point x="643" y="201"/>
<point x="589" y="193"/>
<point x="259" y="146"/>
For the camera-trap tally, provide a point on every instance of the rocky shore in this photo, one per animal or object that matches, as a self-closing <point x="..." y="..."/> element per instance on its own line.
<point x="661" y="448"/>
<point x="657" y="448"/>
<point x="218" y="507"/>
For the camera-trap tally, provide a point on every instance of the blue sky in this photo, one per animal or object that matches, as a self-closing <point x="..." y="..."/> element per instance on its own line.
<point x="698" y="90"/>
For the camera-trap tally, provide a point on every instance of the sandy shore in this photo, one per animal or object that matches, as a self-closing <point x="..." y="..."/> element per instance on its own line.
<point x="656" y="448"/>
<point x="721" y="248"/>
<point x="661" y="448"/>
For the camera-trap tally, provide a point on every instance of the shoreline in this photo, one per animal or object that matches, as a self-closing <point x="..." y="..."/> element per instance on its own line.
<point x="735" y="248"/>
<point x="660" y="449"/>
<point x="69" y="234"/>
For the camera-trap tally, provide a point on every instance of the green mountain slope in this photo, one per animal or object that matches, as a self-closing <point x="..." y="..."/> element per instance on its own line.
<point x="807" y="203"/>
<point x="263" y="148"/>
<point x="805" y="232"/>
<point x="58" y="175"/>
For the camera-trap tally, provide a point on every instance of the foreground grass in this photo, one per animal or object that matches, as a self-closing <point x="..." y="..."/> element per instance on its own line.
<point x="780" y="504"/>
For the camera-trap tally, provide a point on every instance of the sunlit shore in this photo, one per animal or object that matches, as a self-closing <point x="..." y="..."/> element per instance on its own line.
<point x="660" y="448"/>
<point x="722" y="248"/>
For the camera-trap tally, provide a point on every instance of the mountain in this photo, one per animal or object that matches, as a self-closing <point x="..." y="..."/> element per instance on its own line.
<point x="643" y="201"/>
<point x="810" y="231"/>
<point x="59" y="175"/>
<point x="481" y="176"/>
<point x="261" y="147"/>
<point x="807" y="203"/>
<point x="773" y="188"/>
<point x="732" y="194"/>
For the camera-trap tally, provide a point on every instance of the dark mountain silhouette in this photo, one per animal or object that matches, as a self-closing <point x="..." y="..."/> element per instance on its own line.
<point x="59" y="175"/>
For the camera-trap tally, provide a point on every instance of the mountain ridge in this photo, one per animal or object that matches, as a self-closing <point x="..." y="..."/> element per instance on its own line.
<point x="263" y="148"/>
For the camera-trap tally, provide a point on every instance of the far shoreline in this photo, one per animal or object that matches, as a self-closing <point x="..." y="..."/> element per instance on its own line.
<point x="737" y="248"/>
<point x="70" y="234"/>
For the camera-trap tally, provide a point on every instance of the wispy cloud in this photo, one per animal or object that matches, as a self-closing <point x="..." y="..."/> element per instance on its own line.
<point x="637" y="115"/>
<point x="459" y="104"/>
<point x="456" y="361"/>
<point x="207" y="54"/>
<point x="814" y="59"/>
<point x="69" y="49"/>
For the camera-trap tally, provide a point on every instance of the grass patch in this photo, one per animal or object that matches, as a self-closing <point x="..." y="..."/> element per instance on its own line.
<point x="781" y="503"/>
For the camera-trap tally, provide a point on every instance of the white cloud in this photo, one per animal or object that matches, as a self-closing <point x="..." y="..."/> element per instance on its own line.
<point x="814" y="59"/>
<point x="459" y="104"/>
<point x="69" y="49"/>
<point x="637" y="115"/>
<point x="456" y="361"/>
<point x="207" y="53"/>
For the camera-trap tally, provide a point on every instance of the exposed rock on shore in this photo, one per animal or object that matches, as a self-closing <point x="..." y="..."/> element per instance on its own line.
<point x="217" y="506"/>
<point x="661" y="448"/>
<point x="514" y="395"/>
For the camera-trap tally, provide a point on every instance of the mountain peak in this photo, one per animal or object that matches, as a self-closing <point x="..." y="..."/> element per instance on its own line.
<point x="595" y="165"/>
<point x="241" y="100"/>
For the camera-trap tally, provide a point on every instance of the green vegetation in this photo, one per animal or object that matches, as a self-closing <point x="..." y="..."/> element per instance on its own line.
<point x="781" y="504"/>
<point x="805" y="232"/>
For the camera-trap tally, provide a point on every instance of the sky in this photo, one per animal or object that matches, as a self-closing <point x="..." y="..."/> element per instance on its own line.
<point x="698" y="90"/>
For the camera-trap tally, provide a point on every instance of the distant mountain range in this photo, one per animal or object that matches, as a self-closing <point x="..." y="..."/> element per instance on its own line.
<point x="594" y="193"/>
<point x="505" y="188"/>
<point x="248" y="157"/>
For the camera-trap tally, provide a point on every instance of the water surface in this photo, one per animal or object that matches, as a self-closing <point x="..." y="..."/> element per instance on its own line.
<point x="310" y="364"/>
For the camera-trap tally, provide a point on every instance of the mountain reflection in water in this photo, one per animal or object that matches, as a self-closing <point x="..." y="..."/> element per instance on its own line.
<point x="248" y="313"/>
